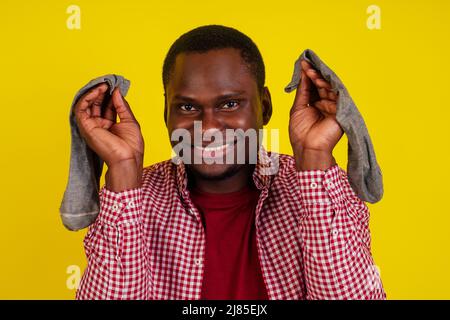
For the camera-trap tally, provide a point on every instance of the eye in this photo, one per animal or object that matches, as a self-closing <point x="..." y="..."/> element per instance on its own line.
<point x="187" y="107"/>
<point x="230" y="104"/>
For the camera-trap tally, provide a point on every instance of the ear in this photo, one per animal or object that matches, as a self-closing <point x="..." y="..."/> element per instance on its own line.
<point x="266" y="103"/>
<point x="165" y="109"/>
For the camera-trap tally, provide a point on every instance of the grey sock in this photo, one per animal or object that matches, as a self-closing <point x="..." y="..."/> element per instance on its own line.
<point x="363" y="171"/>
<point x="80" y="203"/>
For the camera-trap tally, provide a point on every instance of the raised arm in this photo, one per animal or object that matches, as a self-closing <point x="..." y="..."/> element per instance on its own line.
<point x="115" y="246"/>
<point x="335" y="233"/>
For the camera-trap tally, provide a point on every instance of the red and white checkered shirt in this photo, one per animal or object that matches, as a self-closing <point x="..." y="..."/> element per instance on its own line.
<point x="312" y="236"/>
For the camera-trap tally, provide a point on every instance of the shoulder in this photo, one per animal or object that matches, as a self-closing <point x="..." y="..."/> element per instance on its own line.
<point x="159" y="173"/>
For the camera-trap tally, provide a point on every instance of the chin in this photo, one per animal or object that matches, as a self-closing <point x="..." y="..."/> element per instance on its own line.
<point x="214" y="171"/>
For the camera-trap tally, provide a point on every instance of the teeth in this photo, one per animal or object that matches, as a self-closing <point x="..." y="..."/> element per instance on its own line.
<point x="210" y="149"/>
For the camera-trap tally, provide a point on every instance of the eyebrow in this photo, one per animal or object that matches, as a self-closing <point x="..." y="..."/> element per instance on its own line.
<point x="220" y="97"/>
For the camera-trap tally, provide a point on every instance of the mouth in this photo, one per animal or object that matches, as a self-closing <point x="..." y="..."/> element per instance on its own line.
<point x="221" y="150"/>
<point x="213" y="148"/>
<point x="213" y="151"/>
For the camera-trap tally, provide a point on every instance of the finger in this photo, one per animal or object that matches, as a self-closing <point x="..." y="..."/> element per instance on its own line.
<point x="315" y="76"/>
<point x="323" y="93"/>
<point x="93" y="93"/>
<point x="303" y="93"/>
<point x="327" y="107"/>
<point x="327" y="94"/>
<point x="332" y="95"/>
<point x="306" y="65"/>
<point x="98" y="101"/>
<point x="317" y="79"/>
<point x="97" y="107"/>
<point x="84" y="104"/>
<point x="109" y="115"/>
<point x="122" y="107"/>
<point x="109" y="112"/>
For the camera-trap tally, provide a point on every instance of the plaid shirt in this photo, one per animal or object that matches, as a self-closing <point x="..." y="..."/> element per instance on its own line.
<point x="312" y="236"/>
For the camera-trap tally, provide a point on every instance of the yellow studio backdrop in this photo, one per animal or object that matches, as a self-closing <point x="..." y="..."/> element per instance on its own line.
<point x="393" y="56"/>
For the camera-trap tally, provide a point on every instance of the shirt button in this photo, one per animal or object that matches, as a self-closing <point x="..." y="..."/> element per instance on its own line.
<point x="115" y="207"/>
<point x="313" y="185"/>
<point x="335" y="233"/>
<point x="198" y="262"/>
<point x="328" y="183"/>
<point x="131" y="204"/>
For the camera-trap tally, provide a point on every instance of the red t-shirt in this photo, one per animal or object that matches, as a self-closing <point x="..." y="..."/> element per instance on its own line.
<point x="232" y="269"/>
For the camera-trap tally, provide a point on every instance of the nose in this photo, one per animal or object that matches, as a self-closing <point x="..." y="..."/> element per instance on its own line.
<point x="210" y="129"/>
<point x="210" y="120"/>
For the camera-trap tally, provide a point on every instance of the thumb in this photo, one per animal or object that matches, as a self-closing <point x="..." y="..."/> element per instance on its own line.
<point x="121" y="105"/>
<point x="302" y="94"/>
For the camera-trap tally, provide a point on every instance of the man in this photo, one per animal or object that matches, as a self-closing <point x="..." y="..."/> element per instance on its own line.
<point x="224" y="229"/>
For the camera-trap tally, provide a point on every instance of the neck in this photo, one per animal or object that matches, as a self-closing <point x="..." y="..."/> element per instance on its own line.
<point x="232" y="183"/>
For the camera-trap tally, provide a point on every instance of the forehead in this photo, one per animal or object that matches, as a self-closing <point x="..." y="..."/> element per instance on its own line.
<point x="210" y="73"/>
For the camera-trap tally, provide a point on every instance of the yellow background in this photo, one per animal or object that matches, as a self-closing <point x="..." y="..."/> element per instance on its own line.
<point x="398" y="76"/>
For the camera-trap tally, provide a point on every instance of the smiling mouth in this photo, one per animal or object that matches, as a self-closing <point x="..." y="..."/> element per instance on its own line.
<point x="215" y="148"/>
<point x="213" y="151"/>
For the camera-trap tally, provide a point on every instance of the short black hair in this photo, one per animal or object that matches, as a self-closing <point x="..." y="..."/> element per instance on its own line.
<point x="211" y="37"/>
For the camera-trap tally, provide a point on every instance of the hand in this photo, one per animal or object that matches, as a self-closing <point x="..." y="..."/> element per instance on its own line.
<point x="120" y="145"/>
<point x="313" y="128"/>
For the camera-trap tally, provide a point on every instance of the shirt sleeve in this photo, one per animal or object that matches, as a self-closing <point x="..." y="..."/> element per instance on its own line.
<point x="336" y="251"/>
<point x="116" y="250"/>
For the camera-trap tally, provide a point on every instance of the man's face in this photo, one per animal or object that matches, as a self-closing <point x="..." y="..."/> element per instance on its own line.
<point x="217" y="89"/>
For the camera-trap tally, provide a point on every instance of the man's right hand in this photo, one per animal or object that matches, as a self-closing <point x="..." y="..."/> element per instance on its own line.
<point x="119" y="144"/>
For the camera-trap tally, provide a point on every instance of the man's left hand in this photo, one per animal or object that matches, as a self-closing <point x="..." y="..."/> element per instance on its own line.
<point x="313" y="128"/>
